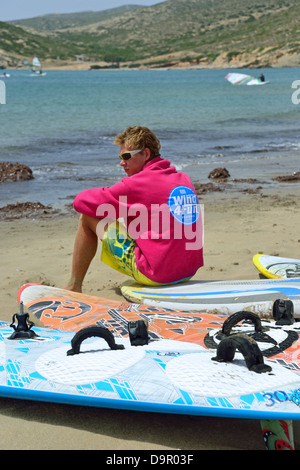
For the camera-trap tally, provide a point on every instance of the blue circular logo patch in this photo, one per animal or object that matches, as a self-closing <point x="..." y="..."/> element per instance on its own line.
<point x="183" y="205"/>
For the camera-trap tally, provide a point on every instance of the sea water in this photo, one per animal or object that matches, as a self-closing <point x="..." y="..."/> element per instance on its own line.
<point x="62" y="125"/>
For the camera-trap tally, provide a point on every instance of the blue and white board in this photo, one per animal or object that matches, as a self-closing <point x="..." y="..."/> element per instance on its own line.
<point x="224" y="297"/>
<point x="164" y="376"/>
<point x="276" y="267"/>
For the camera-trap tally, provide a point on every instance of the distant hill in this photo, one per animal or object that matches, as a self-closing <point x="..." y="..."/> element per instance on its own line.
<point x="58" y="21"/>
<point x="17" y="43"/>
<point x="218" y="32"/>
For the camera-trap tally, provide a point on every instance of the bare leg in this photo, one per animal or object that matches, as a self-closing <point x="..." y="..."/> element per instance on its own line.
<point x="85" y="247"/>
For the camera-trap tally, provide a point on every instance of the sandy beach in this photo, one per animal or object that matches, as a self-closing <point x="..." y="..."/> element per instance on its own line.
<point x="39" y="250"/>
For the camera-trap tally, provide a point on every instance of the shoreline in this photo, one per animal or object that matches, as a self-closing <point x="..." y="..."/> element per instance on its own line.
<point x="280" y="60"/>
<point x="217" y="180"/>
<point x="88" y="68"/>
<point x="39" y="250"/>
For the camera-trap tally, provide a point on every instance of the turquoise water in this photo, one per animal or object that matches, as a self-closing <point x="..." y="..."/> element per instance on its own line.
<point x="62" y="125"/>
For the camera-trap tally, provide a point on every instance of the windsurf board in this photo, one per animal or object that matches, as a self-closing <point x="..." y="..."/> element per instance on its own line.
<point x="183" y="368"/>
<point x="276" y="267"/>
<point x="69" y="311"/>
<point x="218" y="296"/>
<point x="164" y="376"/>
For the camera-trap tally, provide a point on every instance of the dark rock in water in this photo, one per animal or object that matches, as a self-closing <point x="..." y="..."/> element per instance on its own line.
<point x="290" y="178"/>
<point x="14" y="172"/>
<point x="219" y="173"/>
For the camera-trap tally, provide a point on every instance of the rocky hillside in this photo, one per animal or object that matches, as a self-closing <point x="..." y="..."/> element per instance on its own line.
<point x="200" y="33"/>
<point x="55" y="22"/>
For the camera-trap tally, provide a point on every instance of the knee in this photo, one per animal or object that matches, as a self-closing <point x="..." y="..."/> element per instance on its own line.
<point x="88" y="223"/>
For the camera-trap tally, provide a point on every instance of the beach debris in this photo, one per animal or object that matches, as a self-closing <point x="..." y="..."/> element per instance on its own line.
<point x="207" y="187"/>
<point x="25" y="210"/>
<point x="288" y="179"/>
<point x="14" y="172"/>
<point x="219" y="173"/>
<point x="245" y="180"/>
<point x="251" y="190"/>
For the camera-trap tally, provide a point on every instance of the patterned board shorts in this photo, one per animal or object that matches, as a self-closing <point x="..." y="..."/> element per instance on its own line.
<point x="118" y="253"/>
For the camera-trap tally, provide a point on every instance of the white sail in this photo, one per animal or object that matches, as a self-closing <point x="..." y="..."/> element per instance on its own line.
<point x="35" y="67"/>
<point x="36" y="62"/>
<point x="243" y="79"/>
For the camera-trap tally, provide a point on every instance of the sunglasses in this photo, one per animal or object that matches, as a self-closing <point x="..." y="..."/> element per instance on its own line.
<point x="128" y="155"/>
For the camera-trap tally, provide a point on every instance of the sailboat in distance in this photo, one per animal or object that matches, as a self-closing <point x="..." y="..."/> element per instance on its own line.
<point x="35" y="67"/>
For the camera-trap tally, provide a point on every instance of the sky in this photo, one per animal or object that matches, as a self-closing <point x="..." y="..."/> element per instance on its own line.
<point x="21" y="9"/>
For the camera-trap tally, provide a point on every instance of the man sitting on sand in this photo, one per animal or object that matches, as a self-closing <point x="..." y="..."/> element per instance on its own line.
<point x="161" y="239"/>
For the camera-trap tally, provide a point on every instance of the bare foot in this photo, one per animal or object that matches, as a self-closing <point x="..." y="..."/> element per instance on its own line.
<point x="74" y="287"/>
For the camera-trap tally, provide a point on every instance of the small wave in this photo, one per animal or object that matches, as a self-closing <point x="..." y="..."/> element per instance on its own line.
<point x="284" y="145"/>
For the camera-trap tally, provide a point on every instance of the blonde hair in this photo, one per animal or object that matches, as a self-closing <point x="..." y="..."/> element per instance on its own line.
<point x="139" y="137"/>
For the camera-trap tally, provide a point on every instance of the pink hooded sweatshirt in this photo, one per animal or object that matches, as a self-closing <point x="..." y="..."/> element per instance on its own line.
<point x="161" y="213"/>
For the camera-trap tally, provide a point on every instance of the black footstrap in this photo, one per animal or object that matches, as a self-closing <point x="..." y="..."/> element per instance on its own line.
<point x="90" y="332"/>
<point x="237" y="317"/>
<point x="249" y="349"/>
